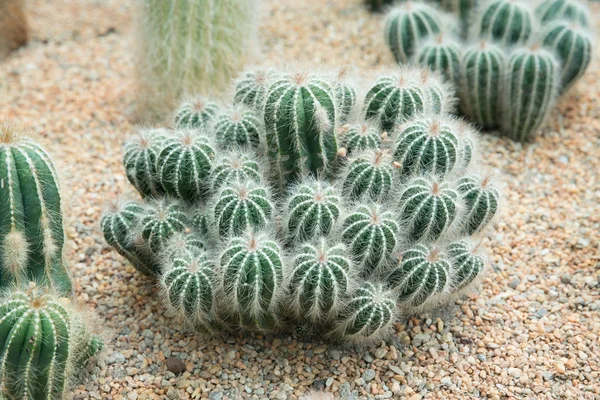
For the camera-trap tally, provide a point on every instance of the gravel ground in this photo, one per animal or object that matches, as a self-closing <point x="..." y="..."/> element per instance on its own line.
<point x="531" y="332"/>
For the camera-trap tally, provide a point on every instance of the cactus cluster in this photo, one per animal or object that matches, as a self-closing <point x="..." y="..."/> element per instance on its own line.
<point x="508" y="61"/>
<point x="307" y="231"/>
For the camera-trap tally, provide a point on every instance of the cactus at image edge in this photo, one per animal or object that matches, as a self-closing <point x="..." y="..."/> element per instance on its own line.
<point x="312" y="210"/>
<point x="300" y="117"/>
<point x="562" y="10"/>
<point x="162" y="219"/>
<point x="530" y="91"/>
<point x="235" y="166"/>
<point x="481" y="199"/>
<point x="197" y="113"/>
<point x="573" y="47"/>
<point x="466" y="266"/>
<point x="345" y="97"/>
<point x="507" y="22"/>
<point x="140" y="159"/>
<point x="251" y="88"/>
<point x="319" y="281"/>
<point x="252" y="280"/>
<point x="442" y="54"/>
<point x="31" y="224"/>
<point x="483" y="68"/>
<point x="358" y="137"/>
<point x="406" y="25"/>
<point x="421" y="277"/>
<point x="461" y="8"/>
<point x="237" y="127"/>
<point x="369" y="176"/>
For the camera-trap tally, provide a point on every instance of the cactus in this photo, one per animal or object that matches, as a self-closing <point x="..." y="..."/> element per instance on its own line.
<point x="483" y="68"/>
<point x="237" y="128"/>
<point x="90" y="349"/>
<point x="572" y="46"/>
<point x="312" y="211"/>
<point x="14" y="29"/>
<point x="369" y="176"/>
<point x="182" y="244"/>
<point x="481" y="202"/>
<point x="408" y="24"/>
<point x="140" y="159"/>
<point x="378" y="5"/>
<point x="530" y="89"/>
<point x="235" y="166"/>
<point x="562" y="10"/>
<point x="359" y="137"/>
<point x="241" y="205"/>
<point x="371" y="235"/>
<point x="200" y="221"/>
<point x="252" y="280"/>
<point x="461" y="8"/>
<point x="345" y="97"/>
<point x="197" y="113"/>
<point x="31" y="226"/>
<point x="427" y="208"/>
<point x="319" y="281"/>
<point x="441" y="54"/>
<point x="161" y="220"/>
<point x="300" y="117"/>
<point x="508" y="22"/>
<point x="421" y="278"/>
<point x="466" y="266"/>
<point x="369" y="315"/>
<point x="184" y="164"/>
<point x="251" y="89"/>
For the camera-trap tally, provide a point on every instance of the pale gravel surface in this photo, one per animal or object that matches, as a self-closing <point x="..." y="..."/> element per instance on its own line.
<point x="532" y="331"/>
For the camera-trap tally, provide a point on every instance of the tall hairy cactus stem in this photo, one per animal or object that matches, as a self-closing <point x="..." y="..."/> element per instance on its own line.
<point x="238" y="127"/>
<point x="369" y="175"/>
<point x="441" y="54"/>
<point x="466" y="266"/>
<point x="14" y="29"/>
<point x="235" y="166"/>
<point x="251" y="88"/>
<point x="31" y="226"/>
<point x="507" y="22"/>
<point x="140" y="161"/>
<point x="481" y="199"/>
<point x="359" y="137"/>
<point x="196" y="113"/>
<point x="562" y="10"/>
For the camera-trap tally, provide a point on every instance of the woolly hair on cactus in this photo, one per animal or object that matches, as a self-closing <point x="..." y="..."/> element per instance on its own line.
<point x="312" y="210"/>
<point x="530" y="89"/>
<point x="358" y="137"/>
<point x="442" y="54"/>
<point x="481" y="201"/>
<point x="562" y="10"/>
<point x="251" y="89"/>
<point x="140" y="159"/>
<point x="368" y="316"/>
<point x="483" y="68"/>
<point x="467" y="146"/>
<point x="162" y="219"/>
<point x="369" y="176"/>
<point x="196" y="113"/>
<point x="184" y="165"/>
<point x="300" y="117"/>
<point x="235" y="166"/>
<point x="31" y="226"/>
<point x="182" y="244"/>
<point x="319" y="281"/>
<point x="406" y="25"/>
<point x="238" y="127"/>
<point x="466" y="266"/>
<point x="14" y="29"/>
<point x="345" y="96"/>
<point x="251" y="280"/>
<point x="507" y="22"/>
<point x="371" y="234"/>
<point x="240" y="206"/>
<point x="573" y="47"/>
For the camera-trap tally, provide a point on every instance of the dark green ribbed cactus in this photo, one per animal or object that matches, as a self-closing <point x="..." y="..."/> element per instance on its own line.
<point x="31" y="225"/>
<point x="507" y="22"/>
<point x="251" y="88"/>
<point x="358" y="137"/>
<point x="481" y="199"/>
<point x="369" y="176"/>
<point x="162" y="219"/>
<point x="562" y="10"/>
<point x="466" y="266"/>
<point x="345" y="94"/>
<point x="196" y="113"/>
<point x="237" y="128"/>
<point x="140" y="159"/>
<point x="441" y="54"/>
<point x="235" y="166"/>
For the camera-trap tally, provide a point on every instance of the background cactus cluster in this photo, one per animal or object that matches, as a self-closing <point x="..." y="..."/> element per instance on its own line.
<point x="300" y="206"/>
<point x="508" y="59"/>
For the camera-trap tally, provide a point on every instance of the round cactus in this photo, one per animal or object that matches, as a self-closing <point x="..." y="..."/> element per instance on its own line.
<point x="508" y="22"/>
<point x="369" y="315"/>
<point x="184" y="164"/>
<point x="312" y="210"/>
<point x="359" y="137"/>
<point x="408" y="24"/>
<point x="242" y="205"/>
<point x="162" y="219"/>
<point x="235" y="166"/>
<point x="530" y="89"/>
<point x="197" y="113"/>
<point x="441" y="54"/>
<point x="140" y="159"/>
<point x="345" y="96"/>
<point x="427" y="209"/>
<point x="251" y="89"/>
<point x="466" y="266"/>
<point x="237" y="128"/>
<point x="369" y="176"/>
<point x="421" y="278"/>
<point x="573" y="46"/>
<point x="319" y="281"/>
<point x="483" y="68"/>
<point x="252" y="280"/>
<point x="481" y="202"/>
<point x="562" y="10"/>
<point x="200" y="221"/>
<point x="466" y="135"/>
<point x="371" y="235"/>
<point x="426" y="146"/>
<point x="182" y="244"/>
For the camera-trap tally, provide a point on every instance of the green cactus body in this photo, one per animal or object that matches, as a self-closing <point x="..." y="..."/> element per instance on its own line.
<point x="359" y="137"/>
<point x="466" y="266"/>
<point x="443" y="55"/>
<point x="184" y="165"/>
<point x="483" y="68"/>
<point x="312" y="211"/>
<point x="252" y="280"/>
<point x="161" y="220"/>
<point x="481" y="202"/>
<point x="140" y="160"/>
<point x="461" y="8"/>
<point x="300" y="117"/>
<point x="427" y="209"/>
<point x="408" y="24"/>
<point x="240" y="206"/>
<point x="200" y="221"/>
<point x="421" y="277"/>
<point x="369" y="315"/>
<point x="251" y="89"/>
<point x="345" y="97"/>
<point x="507" y="22"/>
<point x="466" y="145"/>
<point x="530" y="91"/>
<point x="562" y="10"/>
<point x="235" y="166"/>
<point x="426" y="146"/>
<point x="573" y="46"/>
<point x="371" y="235"/>
<point x="369" y="176"/>
<point x="91" y="348"/>
<point x="198" y="113"/>
<point x="237" y="128"/>
<point x="319" y="281"/>
<point x="31" y="225"/>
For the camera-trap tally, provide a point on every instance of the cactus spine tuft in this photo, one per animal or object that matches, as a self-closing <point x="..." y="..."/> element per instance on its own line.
<point x="237" y="128"/>
<point x="369" y="176"/>
<point x="235" y="166"/>
<point x="197" y="113"/>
